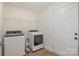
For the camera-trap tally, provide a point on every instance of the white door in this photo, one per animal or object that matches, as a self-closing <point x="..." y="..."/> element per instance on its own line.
<point x="66" y="30"/>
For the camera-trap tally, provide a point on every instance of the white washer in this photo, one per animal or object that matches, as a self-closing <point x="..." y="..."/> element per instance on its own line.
<point x="14" y="45"/>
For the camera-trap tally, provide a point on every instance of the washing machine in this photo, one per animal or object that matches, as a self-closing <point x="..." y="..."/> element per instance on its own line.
<point x="14" y="43"/>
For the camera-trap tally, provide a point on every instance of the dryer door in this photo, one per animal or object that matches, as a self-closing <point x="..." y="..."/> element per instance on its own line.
<point x="38" y="39"/>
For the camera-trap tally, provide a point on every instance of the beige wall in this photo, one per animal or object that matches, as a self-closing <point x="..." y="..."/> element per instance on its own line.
<point x="16" y="18"/>
<point x="0" y="20"/>
<point x="0" y="24"/>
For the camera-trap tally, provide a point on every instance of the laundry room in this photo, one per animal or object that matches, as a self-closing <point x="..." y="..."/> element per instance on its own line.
<point x="38" y="29"/>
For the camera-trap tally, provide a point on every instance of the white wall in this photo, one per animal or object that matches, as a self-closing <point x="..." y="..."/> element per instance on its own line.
<point x="0" y="19"/>
<point x="44" y="25"/>
<point x="47" y="25"/>
<point x="0" y="24"/>
<point x="16" y="18"/>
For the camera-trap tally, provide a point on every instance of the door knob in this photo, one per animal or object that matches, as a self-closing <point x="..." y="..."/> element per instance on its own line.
<point x="75" y="38"/>
<point x="76" y="34"/>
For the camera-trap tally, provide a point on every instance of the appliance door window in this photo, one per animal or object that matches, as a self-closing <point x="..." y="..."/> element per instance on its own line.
<point x="38" y="39"/>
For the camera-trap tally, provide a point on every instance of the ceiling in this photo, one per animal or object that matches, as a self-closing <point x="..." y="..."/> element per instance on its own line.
<point x="34" y="6"/>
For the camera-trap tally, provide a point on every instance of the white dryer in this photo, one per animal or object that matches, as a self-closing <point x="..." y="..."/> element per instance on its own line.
<point x="35" y="40"/>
